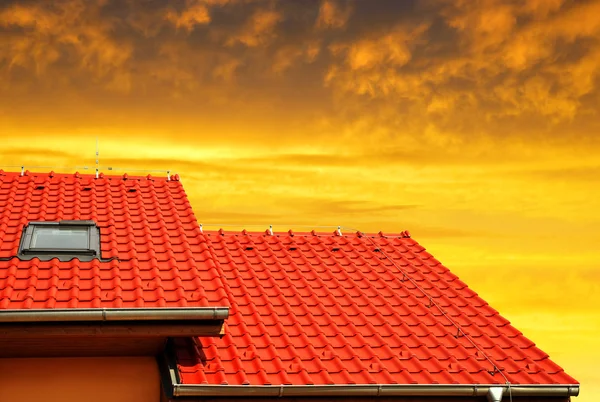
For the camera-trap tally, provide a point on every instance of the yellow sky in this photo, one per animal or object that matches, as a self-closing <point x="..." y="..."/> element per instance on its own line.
<point x="471" y="124"/>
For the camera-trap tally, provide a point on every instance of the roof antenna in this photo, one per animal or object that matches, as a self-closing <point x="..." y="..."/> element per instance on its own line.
<point x="97" y="157"/>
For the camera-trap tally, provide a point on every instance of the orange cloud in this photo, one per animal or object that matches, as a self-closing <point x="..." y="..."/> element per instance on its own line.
<point x="196" y="13"/>
<point x="537" y="46"/>
<point x="226" y="70"/>
<point x="290" y="55"/>
<point x="369" y="65"/>
<point x="506" y="60"/>
<point x="65" y="31"/>
<point x="332" y="15"/>
<point x="259" y="29"/>
<point x="540" y="8"/>
<point x="482" y="26"/>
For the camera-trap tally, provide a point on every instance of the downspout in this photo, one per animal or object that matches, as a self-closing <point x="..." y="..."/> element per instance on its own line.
<point x="494" y="394"/>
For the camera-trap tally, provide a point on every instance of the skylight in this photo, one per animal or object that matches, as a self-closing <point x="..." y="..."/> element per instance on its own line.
<point x="63" y="240"/>
<point x="47" y="237"/>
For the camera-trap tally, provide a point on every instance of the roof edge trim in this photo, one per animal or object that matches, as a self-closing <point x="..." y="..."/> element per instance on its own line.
<point x="116" y="314"/>
<point x="475" y="390"/>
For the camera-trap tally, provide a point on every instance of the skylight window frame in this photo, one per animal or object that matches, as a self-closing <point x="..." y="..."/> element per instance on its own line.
<point x="26" y="251"/>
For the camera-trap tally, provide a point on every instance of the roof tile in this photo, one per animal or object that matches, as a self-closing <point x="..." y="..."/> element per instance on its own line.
<point x="346" y="314"/>
<point x="143" y="242"/>
<point x="306" y="308"/>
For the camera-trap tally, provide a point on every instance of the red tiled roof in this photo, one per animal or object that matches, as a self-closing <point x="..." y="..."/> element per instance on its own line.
<point x="305" y="309"/>
<point x="327" y="309"/>
<point x="150" y="241"/>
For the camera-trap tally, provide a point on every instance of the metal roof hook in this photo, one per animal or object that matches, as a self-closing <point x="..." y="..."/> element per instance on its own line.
<point x="97" y="157"/>
<point x="339" y="231"/>
<point x="494" y="394"/>
<point x="22" y="170"/>
<point x="168" y="175"/>
<point x="271" y="230"/>
<point x="201" y="229"/>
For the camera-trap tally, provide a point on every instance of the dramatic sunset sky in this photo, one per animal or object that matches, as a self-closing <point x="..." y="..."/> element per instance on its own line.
<point x="473" y="124"/>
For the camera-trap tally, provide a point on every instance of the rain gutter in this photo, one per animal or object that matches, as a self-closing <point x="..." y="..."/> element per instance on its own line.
<point x="183" y="390"/>
<point x="173" y="388"/>
<point x="115" y="314"/>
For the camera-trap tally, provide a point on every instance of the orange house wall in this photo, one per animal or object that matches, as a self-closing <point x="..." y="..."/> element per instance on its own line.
<point x="97" y="379"/>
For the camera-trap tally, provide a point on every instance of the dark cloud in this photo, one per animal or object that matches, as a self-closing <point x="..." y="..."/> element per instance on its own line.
<point x="453" y="68"/>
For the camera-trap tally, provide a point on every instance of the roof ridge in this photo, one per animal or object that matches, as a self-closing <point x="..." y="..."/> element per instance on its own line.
<point x="405" y="234"/>
<point x="77" y="175"/>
